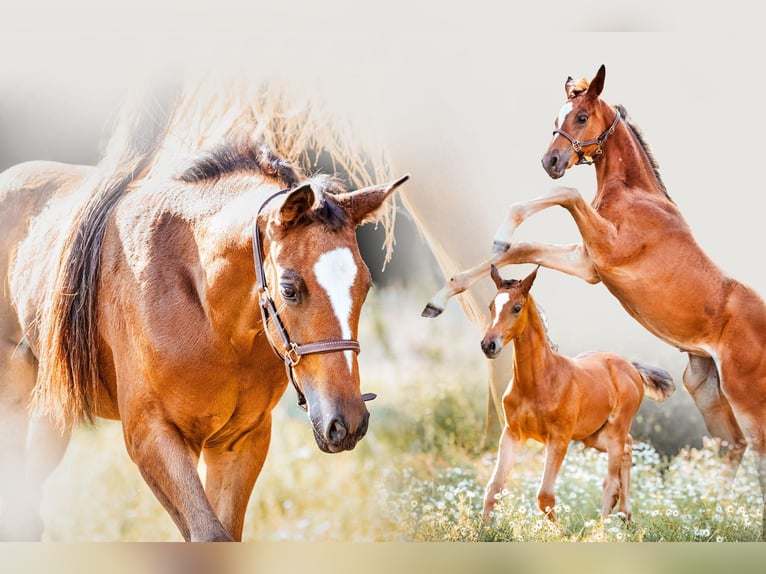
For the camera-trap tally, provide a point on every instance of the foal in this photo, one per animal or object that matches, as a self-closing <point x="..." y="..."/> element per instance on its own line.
<point x="554" y="399"/>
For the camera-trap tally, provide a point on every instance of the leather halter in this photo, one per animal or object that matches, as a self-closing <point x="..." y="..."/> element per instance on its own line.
<point x="286" y="349"/>
<point x="599" y="141"/>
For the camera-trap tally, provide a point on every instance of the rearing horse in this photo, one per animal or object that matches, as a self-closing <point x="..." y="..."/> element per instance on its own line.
<point x="636" y="242"/>
<point x="177" y="287"/>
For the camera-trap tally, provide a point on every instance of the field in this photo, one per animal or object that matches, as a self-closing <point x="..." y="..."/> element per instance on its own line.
<point x="419" y="474"/>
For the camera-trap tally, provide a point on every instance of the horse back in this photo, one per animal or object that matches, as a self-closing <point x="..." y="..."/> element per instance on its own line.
<point x="33" y="203"/>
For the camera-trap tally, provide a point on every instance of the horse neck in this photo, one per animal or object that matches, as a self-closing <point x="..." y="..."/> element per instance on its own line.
<point x="532" y="350"/>
<point x="625" y="163"/>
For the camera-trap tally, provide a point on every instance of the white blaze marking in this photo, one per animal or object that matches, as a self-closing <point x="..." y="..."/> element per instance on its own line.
<point x="501" y="301"/>
<point x="336" y="272"/>
<point x="563" y="113"/>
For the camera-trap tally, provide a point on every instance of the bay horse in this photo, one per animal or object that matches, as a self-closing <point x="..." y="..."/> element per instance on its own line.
<point x="553" y="399"/>
<point x="636" y="242"/>
<point x="179" y="286"/>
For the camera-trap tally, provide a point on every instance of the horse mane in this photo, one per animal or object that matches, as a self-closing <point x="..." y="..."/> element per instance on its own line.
<point x="634" y="127"/>
<point x="209" y="130"/>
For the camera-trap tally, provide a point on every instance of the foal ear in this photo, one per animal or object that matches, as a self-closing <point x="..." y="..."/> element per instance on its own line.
<point x="365" y="204"/>
<point x="526" y="283"/>
<point x="495" y="274"/>
<point x="597" y="83"/>
<point x="297" y="203"/>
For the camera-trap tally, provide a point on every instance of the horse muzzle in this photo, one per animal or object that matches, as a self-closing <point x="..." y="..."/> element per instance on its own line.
<point x="556" y="162"/>
<point x="491" y="346"/>
<point x="337" y="425"/>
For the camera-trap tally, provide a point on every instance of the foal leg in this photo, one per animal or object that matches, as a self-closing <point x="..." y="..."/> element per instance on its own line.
<point x="232" y="469"/>
<point x="555" y="453"/>
<point x="30" y="447"/>
<point x="509" y="447"/>
<point x="701" y="379"/>
<point x="593" y="228"/>
<point x="571" y="259"/>
<point x="168" y="463"/>
<point x="627" y="463"/>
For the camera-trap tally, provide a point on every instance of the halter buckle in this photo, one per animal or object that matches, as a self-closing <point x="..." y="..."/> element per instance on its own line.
<point x="292" y="357"/>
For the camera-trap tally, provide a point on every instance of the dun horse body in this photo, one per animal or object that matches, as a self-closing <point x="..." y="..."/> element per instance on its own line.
<point x="636" y="242"/>
<point x="554" y="400"/>
<point x="173" y="292"/>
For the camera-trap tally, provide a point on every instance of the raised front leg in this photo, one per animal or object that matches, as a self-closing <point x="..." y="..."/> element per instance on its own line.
<point x="232" y="469"/>
<point x="571" y="259"/>
<point x="594" y="229"/>
<point x="506" y="455"/>
<point x="168" y="463"/>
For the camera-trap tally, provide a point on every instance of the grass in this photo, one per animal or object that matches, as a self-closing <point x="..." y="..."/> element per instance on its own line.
<point x="420" y="473"/>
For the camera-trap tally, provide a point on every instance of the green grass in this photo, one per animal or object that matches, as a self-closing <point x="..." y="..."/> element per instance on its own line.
<point x="420" y="473"/>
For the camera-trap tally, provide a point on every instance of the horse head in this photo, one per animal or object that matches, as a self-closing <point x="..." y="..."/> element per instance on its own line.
<point x="318" y="282"/>
<point x="507" y="312"/>
<point x="583" y="125"/>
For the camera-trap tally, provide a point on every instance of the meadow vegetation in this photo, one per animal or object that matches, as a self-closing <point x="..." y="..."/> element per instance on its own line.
<point x="419" y="474"/>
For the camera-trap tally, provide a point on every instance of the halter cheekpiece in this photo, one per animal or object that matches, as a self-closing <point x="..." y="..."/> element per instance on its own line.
<point x="599" y="141"/>
<point x="286" y="349"/>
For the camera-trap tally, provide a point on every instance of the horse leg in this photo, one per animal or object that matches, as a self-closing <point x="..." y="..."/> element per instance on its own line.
<point x="30" y="448"/>
<point x="627" y="463"/>
<point x="555" y="452"/>
<point x="701" y="379"/>
<point x="593" y="227"/>
<point x="571" y="259"/>
<point x="509" y="447"/>
<point x="232" y="469"/>
<point x="616" y="450"/>
<point x="620" y="460"/>
<point x="745" y="391"/>
<point x="168" y="464"/>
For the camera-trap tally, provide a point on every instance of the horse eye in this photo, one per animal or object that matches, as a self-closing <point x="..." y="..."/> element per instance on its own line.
<point x="288" y="292"/>
<point x="582" y="118"/>
<point x="516" y="309"/>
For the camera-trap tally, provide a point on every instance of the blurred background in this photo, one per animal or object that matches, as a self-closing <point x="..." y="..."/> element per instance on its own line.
<point x="463" y="98"/>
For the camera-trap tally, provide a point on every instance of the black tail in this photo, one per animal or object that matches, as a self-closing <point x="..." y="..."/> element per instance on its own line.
<point x="659" y="384"/>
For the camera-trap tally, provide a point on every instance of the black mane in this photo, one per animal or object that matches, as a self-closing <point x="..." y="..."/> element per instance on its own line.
<point x="236" y="155"/>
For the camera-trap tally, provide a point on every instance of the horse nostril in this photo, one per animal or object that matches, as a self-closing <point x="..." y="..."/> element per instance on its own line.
<point x="488" y="347"/>
<point x="337" y="431"/>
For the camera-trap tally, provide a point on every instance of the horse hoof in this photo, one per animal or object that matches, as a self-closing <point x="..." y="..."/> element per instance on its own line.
<point x="431" y="311"/>
<point x="500" y="246"/>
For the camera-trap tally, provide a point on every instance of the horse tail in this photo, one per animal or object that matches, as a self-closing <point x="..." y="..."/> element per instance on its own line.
<point x="658" y="383"/>
<point x="68" y="379"/>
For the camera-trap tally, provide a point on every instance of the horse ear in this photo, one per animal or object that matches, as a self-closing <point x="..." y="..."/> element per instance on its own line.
<point x="364" y="204"/>
<point x="526" y="283"/>
<point x="597" y="83"/>
<point x="298" y="202"/>
<point x="568" y="86"/>
<point x="495" y="274"/>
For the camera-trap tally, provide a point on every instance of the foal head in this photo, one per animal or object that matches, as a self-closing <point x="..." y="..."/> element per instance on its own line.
<point x="319" y="282"/>
<point x="582" y="126"/>
<point x="508" y="312"/>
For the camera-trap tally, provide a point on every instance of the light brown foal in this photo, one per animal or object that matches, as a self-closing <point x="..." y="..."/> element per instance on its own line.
<point x="637" y="243"/>
<point x="554" y="399"/>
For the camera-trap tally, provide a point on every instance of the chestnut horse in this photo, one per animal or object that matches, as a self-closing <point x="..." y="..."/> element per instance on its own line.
<point x="178" y="286"/>
<point x="636" y="242"/>
<point x="554" y="400"/>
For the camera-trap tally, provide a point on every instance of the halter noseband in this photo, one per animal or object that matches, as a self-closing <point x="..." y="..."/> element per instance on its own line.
<point x="288" y="350"/>
<point x="599" y="141"/>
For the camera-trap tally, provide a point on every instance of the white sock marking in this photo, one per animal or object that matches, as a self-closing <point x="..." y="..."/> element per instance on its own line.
<point x="336" y="272"/>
